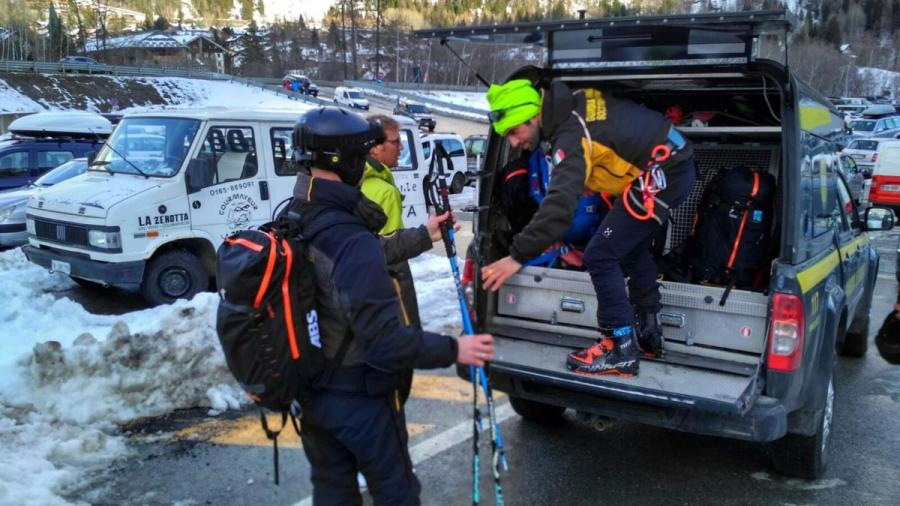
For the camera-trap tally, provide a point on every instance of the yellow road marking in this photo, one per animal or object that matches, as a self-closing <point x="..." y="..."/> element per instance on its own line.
<point x="246" y="431"/>
<point x="445" y="388"/>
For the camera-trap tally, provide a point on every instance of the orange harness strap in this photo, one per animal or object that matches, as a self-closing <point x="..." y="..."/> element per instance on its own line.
<point x="737" y="240"/>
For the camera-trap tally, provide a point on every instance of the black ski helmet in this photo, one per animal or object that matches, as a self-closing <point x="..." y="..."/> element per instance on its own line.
<point x="337" y="140"/>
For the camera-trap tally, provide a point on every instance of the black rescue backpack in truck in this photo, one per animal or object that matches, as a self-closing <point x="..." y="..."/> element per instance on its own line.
<point x="730" y="236"/>
<point x="267" y="321"/>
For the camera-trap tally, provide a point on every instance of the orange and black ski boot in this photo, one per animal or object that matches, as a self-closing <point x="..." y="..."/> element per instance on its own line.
<point x="622" y="358"/>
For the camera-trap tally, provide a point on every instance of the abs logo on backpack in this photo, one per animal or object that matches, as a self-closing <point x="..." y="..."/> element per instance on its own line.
<point x="312" y="321"/>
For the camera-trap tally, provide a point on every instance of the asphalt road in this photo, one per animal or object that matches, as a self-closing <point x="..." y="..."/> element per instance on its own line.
<point x="189" y="458"/>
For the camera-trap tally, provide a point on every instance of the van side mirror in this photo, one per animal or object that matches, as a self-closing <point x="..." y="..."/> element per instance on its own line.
<point x="91" y="156"/>
<point x="197" y="175"/>
<point x="879" y="218"/>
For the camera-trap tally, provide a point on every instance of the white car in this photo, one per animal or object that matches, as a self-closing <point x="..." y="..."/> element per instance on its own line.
<point x="864" y="153"/>
<point x="351" y="97"/>
<point x="457" y="176"/>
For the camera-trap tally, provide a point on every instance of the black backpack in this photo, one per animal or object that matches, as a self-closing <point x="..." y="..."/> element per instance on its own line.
<point x="729" y="239"/>
<point x="267" y="321"/>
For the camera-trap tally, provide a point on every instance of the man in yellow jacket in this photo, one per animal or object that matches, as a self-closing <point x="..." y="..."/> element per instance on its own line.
<point x="404" y="243"/>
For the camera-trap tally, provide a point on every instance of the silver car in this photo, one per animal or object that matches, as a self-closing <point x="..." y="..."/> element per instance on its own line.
<point x="875" y="127"/>
<point x="14" y="201"/>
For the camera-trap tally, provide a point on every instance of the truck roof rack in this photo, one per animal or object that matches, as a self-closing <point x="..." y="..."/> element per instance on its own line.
<point x="634" y="41"/>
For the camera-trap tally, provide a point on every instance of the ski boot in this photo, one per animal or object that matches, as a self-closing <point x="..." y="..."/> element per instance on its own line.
<point x="615" y="353"/>
<point x="649" y="334"/>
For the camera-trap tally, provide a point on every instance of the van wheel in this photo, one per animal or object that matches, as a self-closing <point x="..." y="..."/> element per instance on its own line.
<point x="806" y="456"/>
<point x="537" y="411"/>
<point x="856" y="342"/>
<point x="457" y="183"/>
<point x="173" y="275"/>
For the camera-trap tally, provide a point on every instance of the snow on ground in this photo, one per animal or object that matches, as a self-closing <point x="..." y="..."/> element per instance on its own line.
<point x="477" y="100"/>
<point x="386" y="92"/>
<point x="68" y="377"/>
<point x="13" y="101"/>
<point x="181" y="92"/>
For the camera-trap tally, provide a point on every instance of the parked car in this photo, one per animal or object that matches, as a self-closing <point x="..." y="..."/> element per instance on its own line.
<point x="852" y="107"/>
<point x="417" y="112"/>
<point x="885" y="189"/>
<point x="300" y="84"/>
<point x="888" y="126"/>
<point x="853" y="176"/>
<point x="757" y="364"/>
<point x="458" y="177"/>
<point x="13" y="202"/>
<point x="79" y="60"/>
<point x="865" y="153"/>
<point x="42" y="141"/>
<point x="476" y="146"/>
<point x="351" y="97"/>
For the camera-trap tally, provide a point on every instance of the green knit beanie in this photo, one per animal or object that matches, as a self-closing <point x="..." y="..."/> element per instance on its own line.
<point x="518" y="100"/>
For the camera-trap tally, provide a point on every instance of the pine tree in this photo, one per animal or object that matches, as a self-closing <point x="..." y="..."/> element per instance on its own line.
<point x="253" y="55"/>
<point x="56" y="31"/>
<point x="832" y="32"/>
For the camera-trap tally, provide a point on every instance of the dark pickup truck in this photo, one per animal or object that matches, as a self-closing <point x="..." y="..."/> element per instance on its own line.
<point x="760" y="366"/>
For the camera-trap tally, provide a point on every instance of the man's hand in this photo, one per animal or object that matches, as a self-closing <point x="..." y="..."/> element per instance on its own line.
<point x="497" y="273"/>
<point x="433" y="225"/>
<point x="475" y="349"/>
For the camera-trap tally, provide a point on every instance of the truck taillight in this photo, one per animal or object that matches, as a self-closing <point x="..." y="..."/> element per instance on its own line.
<point x="468" y="282"/>
<point x="468" y="273"/>
<point x="786" y="333"/>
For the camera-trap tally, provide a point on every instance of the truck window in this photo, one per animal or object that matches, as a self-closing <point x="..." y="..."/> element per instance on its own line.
<point x="282" y="151"/>
<point x="14" y="164"/>
<point x="824" y="204"/>
<point x="49" y="159"/>
<point x="453" y="147"/>
<point x="231" y="153"/>
<point x="407" y="160"/>
<point x="851" y="219"/>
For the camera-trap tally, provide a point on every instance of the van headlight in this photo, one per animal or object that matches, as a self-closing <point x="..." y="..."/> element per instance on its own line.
<point x="6" y="211"/>
<point x="106" y="240"/>
<point x="29" y="227"/>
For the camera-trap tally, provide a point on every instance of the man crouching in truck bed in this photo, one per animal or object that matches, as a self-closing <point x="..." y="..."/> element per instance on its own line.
<point x="603" y="144"/>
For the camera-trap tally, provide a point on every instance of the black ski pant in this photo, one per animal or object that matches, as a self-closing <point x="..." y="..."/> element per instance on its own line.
<point x="344" y="434"/>
<point x="621" y="246"/>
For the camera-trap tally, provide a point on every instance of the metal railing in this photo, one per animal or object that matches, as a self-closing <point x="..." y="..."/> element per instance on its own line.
<point x="100" y="68"/>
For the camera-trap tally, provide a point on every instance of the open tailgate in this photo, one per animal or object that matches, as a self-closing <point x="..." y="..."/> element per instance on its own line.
<point x="662" y="384"/>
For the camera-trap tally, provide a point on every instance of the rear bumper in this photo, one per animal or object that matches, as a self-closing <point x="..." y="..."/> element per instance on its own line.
<point x="765" y="420"/>
<point x="124" y="274"/>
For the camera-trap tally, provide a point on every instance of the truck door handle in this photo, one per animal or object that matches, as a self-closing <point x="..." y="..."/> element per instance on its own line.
<point x="263" y="190"/>
<point x="571" y="305"/>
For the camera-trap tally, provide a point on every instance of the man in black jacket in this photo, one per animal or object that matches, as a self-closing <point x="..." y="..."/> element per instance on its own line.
<point x="604" y="144"/>
<point x="356" y="422"/>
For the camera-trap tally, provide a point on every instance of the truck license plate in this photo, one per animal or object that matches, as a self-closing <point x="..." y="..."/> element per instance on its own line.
<point x="891" y="187"/>
<point x="57" y="266"/>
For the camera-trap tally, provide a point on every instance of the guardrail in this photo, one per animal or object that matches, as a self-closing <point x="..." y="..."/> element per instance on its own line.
<point x="100" y="68"/>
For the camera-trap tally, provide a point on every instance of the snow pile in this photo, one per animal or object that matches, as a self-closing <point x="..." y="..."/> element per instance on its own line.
<point x="68" y="377"/>
<point x="200" y="93"/>
<point x="59" y="405"/>
<point x="438" y="305"/>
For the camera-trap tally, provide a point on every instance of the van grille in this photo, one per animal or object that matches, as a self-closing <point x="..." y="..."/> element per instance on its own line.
<point x="710" y="159"/>
<point x="61" y="232"/>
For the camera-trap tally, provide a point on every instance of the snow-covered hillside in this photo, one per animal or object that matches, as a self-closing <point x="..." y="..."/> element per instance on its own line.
<point x="35" y="92"/>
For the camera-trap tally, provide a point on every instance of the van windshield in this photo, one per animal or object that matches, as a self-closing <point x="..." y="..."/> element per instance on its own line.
<point x="862" y="125"/>
<point x="354" y="94"/>
<point x="156" y="146"/>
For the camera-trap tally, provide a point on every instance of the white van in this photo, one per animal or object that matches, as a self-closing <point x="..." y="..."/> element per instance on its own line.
<point x="154" y="221"/>
<point x="353" y="98"/>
